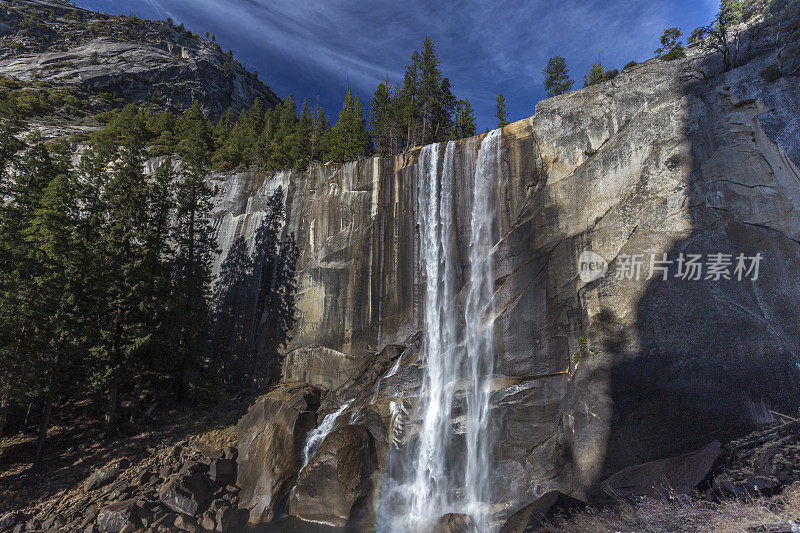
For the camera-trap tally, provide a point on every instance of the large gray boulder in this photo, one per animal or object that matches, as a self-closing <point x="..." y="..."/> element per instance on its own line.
<point x="665" y="477"/>
<point x="271" y="437"/>
<point x="335" y="488"/>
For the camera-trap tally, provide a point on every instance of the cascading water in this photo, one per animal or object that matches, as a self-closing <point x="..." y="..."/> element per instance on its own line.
<point x="431" y="490"/>
<point x="318" y="434"/>
<point x="479" y="330"/>
<point x="430" y="484"/>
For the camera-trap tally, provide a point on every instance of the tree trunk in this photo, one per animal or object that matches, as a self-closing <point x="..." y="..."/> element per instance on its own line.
<point x="137" y="391"/>
<point x="4" y="406"/>
<point x="44" y="425"/>
<point x="27" y="417"/>
<point x="111" y="412"/>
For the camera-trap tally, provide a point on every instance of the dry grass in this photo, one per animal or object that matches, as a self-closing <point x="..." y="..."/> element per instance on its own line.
<point x="684" y="514"/>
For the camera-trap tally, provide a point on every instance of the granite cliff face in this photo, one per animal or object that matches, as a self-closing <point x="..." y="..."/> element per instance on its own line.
<point x="135" y="59"/>
<point x="661" y="160"/>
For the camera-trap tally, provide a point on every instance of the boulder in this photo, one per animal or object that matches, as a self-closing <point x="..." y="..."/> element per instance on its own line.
<point x="184" y="523"/>
<point x="455" y="523"/>
<point x="674" y="475"/>
<point x="117" y="516"/>
<point x="105" y="475"/>
<point x="271" y="437"/>
<point x="223" y="471"/>
<point x="9" y="520"/>
<point x="230" y="519"/>
<point x="186" y="491"/>
<point x="335" y="487"/>
<point x="540" y="511"/>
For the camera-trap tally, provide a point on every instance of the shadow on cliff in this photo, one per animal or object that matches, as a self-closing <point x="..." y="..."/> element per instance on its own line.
<point x="705" y="359"/>
<point x="253" y="307"/>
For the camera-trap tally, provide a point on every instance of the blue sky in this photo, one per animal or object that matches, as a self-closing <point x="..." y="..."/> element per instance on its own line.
<point x="314" y="48"/>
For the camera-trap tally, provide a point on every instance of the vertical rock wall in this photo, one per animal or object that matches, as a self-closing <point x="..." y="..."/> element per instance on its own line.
<point x="654" y="162"/>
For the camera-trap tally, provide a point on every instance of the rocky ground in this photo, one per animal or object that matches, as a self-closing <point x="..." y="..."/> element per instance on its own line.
<point x="753" y="486"/>
<point x="181" y="476"/>
<point x="174" y="465"/>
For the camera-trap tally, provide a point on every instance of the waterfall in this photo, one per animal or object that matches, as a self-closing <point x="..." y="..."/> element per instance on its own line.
<point x="479" y="330"/>
<point x="430" y="489"/>
<point x="432" y="480"/>
<point x="318" y="434"/>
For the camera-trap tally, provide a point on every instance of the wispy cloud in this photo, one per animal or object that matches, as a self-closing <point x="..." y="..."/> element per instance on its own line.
<point x="314" y="47"/>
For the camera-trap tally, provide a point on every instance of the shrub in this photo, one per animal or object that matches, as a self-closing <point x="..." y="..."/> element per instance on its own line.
<point x="672" y="55"/>
<point x="629" y="65"/>
<point x="94" y="59"/>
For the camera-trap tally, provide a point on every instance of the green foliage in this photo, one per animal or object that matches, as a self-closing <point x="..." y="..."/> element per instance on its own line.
<point x="629" y="65"/>
<point x="672" y="55"/>
<point x="697" y="35"/>
<point x="94" y="59"/>
<point x="556" y="77"/>
<point x="597" y="74"/>
<point x="500" y="112"/>
<point x="41" y="99"/>
<point x="465" y="125"/>
<point x="671" y="45"/>
<point x="670" y="42"/>
<point x="583" y="346"/>
<point x="420" y="110"/>
<point x="348" y="139"/>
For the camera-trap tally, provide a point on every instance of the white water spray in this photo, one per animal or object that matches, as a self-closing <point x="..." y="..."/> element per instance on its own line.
<point x="432" y="487"/>
<point x="318" y="434"/>
<point x="479" y="331"/>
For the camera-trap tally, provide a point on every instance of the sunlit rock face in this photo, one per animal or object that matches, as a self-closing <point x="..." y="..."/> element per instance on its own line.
<point x="654" y="162"/>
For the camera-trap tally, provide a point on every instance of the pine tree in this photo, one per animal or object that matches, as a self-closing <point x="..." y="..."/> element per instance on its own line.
<point x="556" y="77"/>
<point x="430" y="90"/>
<point x="56" y="285"/>
<point x="382" y="125"/>
<point x="671" y="45"/>
<point x="194" y="247"/>
<point x="500" y="111"/>
<point x="283" y="138"/>
<point x="118" y="253"/>
<point x="348" y="139"/>
<point x="465" y="120"/>
<point x="25" y="188"/>
<point x="301" y="145"/>
<point x="597" y="74"/>
<point x="158" y="265"/>
<point x="444" y="113"/>
<point x="408" y="101"/>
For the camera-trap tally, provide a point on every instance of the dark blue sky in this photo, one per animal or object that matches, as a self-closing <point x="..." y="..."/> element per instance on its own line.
<point x="312" y="48"/>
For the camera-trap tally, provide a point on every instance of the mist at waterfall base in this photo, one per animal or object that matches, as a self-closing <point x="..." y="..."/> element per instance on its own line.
<point x="446" y="467"/>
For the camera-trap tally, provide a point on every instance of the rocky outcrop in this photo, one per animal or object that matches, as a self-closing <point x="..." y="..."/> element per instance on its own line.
<point x="135" y="59"/>
<point x="541" y="512"/>
<point x="335" y="488"/>
<point x="661" y="160"/>
<point x="271" y="437"/>
<point x="664" y="477"/>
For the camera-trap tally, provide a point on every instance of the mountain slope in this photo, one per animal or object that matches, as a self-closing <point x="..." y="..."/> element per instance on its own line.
<point x="135" y="59"/>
